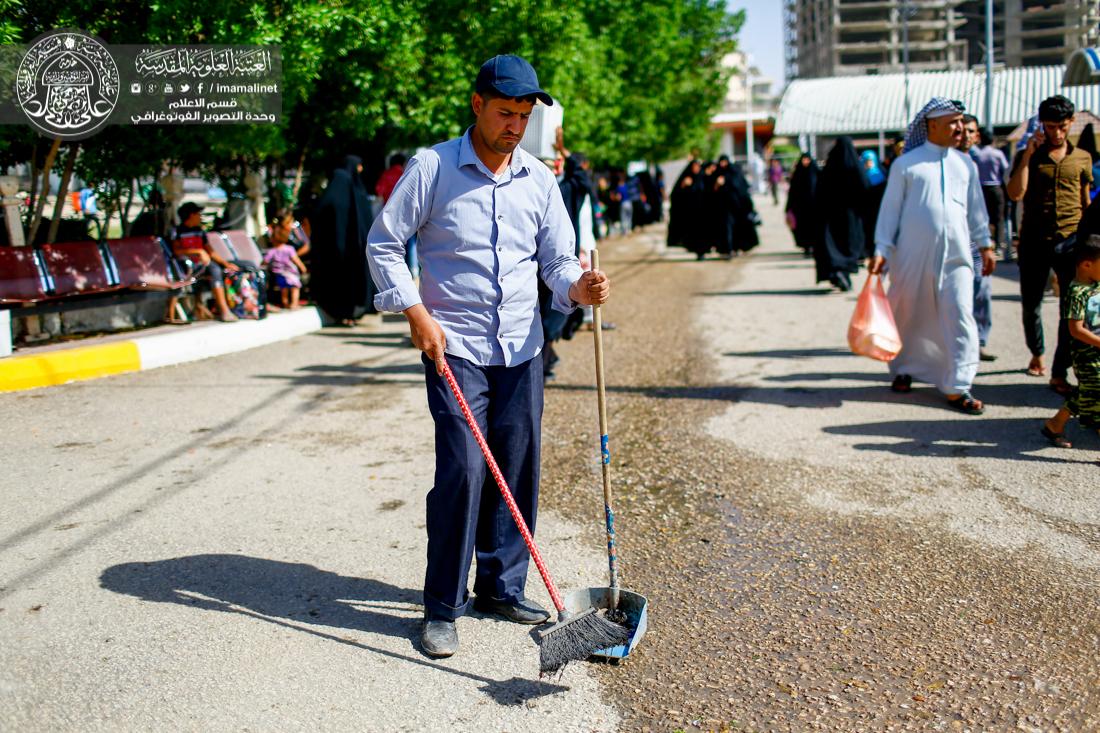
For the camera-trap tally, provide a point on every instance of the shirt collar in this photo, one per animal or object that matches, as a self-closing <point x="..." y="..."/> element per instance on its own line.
<point x="468" y="156"/>
<point x="1046" y="151"/>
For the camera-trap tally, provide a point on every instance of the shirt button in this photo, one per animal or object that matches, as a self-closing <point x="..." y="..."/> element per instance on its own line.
<point x="500" y="217"/>
<point x="500" y="249"/>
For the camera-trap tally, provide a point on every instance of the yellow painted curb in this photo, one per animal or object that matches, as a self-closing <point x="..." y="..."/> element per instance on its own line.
<point x="68" y="365"/>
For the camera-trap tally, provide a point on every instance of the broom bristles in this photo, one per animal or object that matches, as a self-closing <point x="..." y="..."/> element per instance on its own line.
<point x="576" y="639"/>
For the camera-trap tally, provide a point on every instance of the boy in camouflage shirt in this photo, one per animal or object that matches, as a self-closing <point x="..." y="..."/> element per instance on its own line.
<point x="1081" y="308"/>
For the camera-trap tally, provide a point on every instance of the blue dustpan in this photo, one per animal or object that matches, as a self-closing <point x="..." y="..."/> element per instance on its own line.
<point x="631" y="603"/>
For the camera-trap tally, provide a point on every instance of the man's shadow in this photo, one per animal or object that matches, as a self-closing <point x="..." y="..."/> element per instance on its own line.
<point x="294" y="591"/>
<point x="292" y="594"/>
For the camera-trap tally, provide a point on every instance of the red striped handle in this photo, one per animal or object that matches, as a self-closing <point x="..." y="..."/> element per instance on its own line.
<point x="504" y="490"/>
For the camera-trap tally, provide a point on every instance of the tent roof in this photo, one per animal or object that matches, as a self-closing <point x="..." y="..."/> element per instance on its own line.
<point x="1083" y="67"/>
<point x="850" y="105"/>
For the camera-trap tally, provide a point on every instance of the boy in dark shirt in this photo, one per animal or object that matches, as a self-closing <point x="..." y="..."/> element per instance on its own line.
<point x="1081" y="311"/>
<point x="189" y="242"/>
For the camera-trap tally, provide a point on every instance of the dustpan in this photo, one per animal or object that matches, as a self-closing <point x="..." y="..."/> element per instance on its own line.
<point x="634" y="605"/>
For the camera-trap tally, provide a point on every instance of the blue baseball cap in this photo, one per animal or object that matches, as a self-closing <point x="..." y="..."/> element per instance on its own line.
<point x="511" y="76"/>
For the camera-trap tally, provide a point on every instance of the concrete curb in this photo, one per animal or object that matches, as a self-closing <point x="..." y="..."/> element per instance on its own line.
<point x="155" y="350"/>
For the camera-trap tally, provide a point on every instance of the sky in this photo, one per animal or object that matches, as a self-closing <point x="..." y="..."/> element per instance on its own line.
<point x="762" y="35"/>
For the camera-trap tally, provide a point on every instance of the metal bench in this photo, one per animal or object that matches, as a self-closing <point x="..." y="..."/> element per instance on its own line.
<point x="145" y="263"/>
<point x="76" y="268"/>
<point x="77" y="275"/>
<point x="21" y="277"/>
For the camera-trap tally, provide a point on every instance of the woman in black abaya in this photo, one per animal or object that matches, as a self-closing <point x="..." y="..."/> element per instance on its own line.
<point x="686" y="208"/>
<point x="842" y="204"/>
<point x="340" y="281"/>
<point x="739" y="204"/>
<point x="801" y="208"/>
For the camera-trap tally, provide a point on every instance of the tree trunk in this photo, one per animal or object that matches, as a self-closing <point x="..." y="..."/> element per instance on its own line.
<point x="115" y="195"/>
<point x="126" y="222"/>
<point x="40" y="204"/>
<point x="62" y="192"/>
<point x="298" y="173"/>
<point x="34" y="187"/>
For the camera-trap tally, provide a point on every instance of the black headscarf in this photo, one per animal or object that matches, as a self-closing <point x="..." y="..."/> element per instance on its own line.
<point x="686" y="202"/>
<point x="842" y="202"/>
<point x="738" y="200"/>
<point x="803" y="182"/>
<point x="341" y="282"/>
<point x="801" y="201"/>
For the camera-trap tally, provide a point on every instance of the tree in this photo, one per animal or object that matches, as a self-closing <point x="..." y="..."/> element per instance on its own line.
<point x="638" y="79"/>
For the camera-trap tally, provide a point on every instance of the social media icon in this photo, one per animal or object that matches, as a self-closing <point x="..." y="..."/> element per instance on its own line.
<point x="135" y="88"/>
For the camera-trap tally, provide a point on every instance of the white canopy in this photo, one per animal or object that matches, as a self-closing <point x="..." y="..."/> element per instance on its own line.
<point x="857" y="105"/>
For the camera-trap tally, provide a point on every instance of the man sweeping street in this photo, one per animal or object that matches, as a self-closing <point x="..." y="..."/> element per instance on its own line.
<point x="490" y="221"/>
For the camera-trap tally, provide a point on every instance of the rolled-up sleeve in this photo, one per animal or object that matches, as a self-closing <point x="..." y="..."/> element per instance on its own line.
<point x="399" y="221"/>
<point x="556" y="252"/>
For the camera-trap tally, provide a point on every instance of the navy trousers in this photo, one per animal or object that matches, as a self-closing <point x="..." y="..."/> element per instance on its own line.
<point x="466" y="514"/>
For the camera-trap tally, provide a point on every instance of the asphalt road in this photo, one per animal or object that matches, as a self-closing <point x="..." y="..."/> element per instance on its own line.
<point x="237" y="544"/>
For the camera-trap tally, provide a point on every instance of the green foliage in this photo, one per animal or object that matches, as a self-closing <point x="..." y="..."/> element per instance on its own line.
<point x="639" y="79"/>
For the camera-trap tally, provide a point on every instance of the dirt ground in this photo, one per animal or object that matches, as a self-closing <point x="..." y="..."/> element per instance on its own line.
<point x="800" y="577"/>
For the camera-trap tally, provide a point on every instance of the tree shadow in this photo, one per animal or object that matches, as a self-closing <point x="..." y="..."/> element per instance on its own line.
<point x="348" y="375"/>
<point x="292" y="594"/>
<point x="826" y="376"/>
<point x="373" y="339"/>
<point x="791" y="353"/>
<point x="994" y="395"/>
<point x="748" y="293"/>
<point x="793" y="255"/>
<point x="1002" y="438"/>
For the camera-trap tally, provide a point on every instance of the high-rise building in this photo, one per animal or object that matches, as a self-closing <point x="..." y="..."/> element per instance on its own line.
<point x="844" y="37"/>
<point x="854" y="37"/>
<point x="1031" y="32"/>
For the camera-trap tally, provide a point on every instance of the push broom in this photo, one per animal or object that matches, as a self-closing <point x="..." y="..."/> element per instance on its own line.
<point x="576" y="635"/>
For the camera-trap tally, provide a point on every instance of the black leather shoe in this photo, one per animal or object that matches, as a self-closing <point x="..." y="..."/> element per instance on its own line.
<point x="439" y="637"/>
<point x="520" y="612"/>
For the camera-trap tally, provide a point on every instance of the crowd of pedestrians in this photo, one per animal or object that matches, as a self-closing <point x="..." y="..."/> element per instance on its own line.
<point x="711" y="209"/>
<point x="935" y="219"/>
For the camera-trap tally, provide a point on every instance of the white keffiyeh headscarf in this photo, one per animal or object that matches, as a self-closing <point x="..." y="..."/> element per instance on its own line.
<point x="917" y="134"/>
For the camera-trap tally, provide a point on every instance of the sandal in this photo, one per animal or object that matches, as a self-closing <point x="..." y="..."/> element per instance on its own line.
<point x="1058" y="440"/>
<point x="903" y="384"/>
<point x="1062" y="387"/>
<point x="966" y="403"/>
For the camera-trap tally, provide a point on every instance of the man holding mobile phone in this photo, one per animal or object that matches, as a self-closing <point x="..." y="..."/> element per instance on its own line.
<point x="1052" y="179"/>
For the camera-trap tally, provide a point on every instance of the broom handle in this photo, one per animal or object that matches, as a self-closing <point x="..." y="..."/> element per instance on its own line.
<point x="605" y="452"/>
<point x="504" y="490"/>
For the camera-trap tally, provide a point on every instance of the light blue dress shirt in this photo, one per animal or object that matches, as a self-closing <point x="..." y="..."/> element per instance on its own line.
<point x="481" y="242"/>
